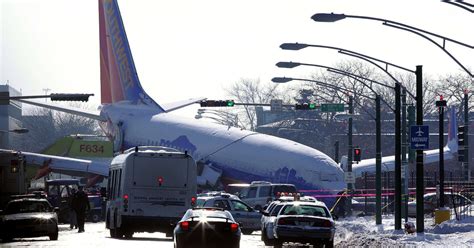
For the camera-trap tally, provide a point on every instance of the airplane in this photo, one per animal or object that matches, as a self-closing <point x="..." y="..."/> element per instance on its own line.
<point x="429" y="156"/>
<point x="130" y="117"/>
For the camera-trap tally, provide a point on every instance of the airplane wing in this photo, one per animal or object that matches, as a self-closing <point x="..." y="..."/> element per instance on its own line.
<point x="181" y="104"/>
<point x="63" y="165"/>
<point x="70" y="110"/>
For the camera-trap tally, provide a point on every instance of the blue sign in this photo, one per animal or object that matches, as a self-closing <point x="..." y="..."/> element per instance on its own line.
<point x="419" y="137"/>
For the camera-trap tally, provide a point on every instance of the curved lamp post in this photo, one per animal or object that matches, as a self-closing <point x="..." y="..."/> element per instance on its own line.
<point x="461" y="4"/>
<point x="331" y="17"/>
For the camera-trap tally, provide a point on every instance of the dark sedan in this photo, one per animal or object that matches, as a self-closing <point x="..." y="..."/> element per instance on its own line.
<point x="28" y="218"/>
<point x="207" y="227"/>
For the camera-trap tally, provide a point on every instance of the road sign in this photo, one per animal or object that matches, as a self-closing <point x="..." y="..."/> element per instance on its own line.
<point x="419" y="137"/>
<point x="276" y="105"/>
<point x="332" y="107"/>
<point x="349" y="177"/>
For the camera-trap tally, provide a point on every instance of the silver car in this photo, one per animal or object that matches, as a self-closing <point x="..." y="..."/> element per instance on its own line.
<point x="430" y="202"/>
<point x="242" y="213"/>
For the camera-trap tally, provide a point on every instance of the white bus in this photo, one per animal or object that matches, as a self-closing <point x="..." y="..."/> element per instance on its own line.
<point x="149" y="190"/>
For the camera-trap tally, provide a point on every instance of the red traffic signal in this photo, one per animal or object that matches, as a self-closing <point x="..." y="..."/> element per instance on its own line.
<point x="357" y="154"/>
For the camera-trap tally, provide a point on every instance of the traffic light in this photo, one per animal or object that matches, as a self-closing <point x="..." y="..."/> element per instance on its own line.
<point x="462" y="142"/>
<point x="305" y="106"/>
<point x="357" y="154"/>
<point x="70" y="97"/>
<point x="14" y="165"/>
<point x="217" y="103"/>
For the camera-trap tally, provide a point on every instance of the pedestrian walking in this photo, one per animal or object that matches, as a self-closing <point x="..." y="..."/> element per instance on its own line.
<point x="81" y="205"/>
<point x="72" y="212"/>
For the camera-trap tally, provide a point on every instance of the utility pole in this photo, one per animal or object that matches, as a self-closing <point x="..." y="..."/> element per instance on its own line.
<point x="349" y="155"/>
<point x="404" y="156"/>
<point x="378" y="163"/>
<point x="398" y="162"/>
<point x="441" y="104"/>
<point x="336" y="152"/>
<point x="467" y="170"/>
<point x="420" y="186"/>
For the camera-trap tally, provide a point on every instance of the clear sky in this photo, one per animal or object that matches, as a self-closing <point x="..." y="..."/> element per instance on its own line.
<point x="187" y="48"/>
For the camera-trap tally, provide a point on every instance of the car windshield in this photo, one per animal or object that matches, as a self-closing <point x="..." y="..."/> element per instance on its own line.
<point x="27" y="207"/>
<point x="305" y="210"/>
<point x="205" y="213"/>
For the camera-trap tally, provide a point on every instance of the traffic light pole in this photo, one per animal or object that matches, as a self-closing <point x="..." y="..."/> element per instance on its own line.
<point x="467" y="175"/>
<point x="420" y="222"/>
<point x="398" y="162"/>
<point x="336" y="152"/>
<point x="441" y="157"/>
<point x="349" y="155"/>
<point x="378" y="163"/>
<point x="404" y="156"/>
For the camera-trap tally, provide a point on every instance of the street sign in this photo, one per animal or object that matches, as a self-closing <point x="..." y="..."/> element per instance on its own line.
<point x="332" y="107"/>
<point x="276" y="105"/>
<point x="349" y="177"/>
<point x="419" y="137"/>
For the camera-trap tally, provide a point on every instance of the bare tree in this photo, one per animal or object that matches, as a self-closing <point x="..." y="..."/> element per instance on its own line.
<point x="452" y="87"/>
<point x="253" y="91"/>
<point x="46" y="127"/>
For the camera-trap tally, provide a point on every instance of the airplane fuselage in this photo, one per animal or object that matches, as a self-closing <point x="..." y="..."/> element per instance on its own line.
<point x="242" y="155"/>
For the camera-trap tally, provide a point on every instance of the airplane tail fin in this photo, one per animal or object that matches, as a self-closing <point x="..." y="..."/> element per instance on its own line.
<point x="452" y="144"/>
<point x="119" y="79"/>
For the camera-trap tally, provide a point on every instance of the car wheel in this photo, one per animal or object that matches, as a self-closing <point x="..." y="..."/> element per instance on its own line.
<point x="112" y="233"/>
<point x="54" y="236"/>
<point x="128" y="234"/>
<point x="6" y="239"/>
<point x="95" y="218"/>
<point x="329" y="244"/>
<point x="247" y="231"/>
<point x="278" y="244"/>
<point x="266" y="240"/>
<point x="236" y="245"/>
<point x="179" y="245"/>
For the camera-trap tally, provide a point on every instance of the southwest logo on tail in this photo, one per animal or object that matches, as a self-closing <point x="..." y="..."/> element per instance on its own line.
<point x="119" y="78"/>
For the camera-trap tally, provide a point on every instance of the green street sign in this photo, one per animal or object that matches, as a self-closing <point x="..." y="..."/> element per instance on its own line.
<point x="332" y="107"/>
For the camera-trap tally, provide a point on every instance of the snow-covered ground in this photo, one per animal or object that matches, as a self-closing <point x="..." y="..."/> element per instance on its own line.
<point x="362" y="232"/>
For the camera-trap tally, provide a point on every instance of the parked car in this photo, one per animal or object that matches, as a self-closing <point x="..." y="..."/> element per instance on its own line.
<point x="243" y="213"/>
<point x="97" y="208"/>
<point x="430" y="202"/>
<point x="304" y="222"/>
<point x="260" y="193"/>
<point x="28" y="217"/>
<point x="267" y="221"/>
<point x="204" y="227"/>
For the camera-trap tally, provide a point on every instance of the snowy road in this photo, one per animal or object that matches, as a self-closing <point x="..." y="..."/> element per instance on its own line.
<point x="350" y="232"/>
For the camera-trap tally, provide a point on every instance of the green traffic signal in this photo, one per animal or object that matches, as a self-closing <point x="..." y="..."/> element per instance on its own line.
<point x="230" y="103"/>
<point x="312" y="106"/>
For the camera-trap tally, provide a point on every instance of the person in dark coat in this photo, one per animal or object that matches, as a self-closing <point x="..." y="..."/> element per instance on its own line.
<point x="72" y="213"/>
<point x="81" y="205"/>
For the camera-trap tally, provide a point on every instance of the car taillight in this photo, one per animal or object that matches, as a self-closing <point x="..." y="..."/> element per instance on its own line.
<point x="326" y="223"/>
<point x="234" y="227"/>
<point x="184" y="225"/>
<point x="193" y="201"/>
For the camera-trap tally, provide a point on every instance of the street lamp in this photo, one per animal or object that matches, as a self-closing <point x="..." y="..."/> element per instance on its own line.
<point x="331" y="17"/>
<point x="461" y="4"/>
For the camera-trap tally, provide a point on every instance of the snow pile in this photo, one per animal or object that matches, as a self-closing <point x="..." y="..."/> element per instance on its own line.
<point x="362" y="232"/>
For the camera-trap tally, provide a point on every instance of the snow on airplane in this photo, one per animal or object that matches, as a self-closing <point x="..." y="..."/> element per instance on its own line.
<point x="430" y="156"/>
<point x="131" y="118"/>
